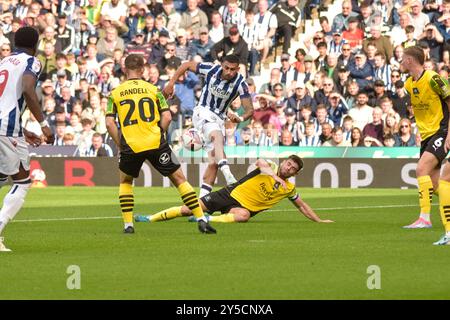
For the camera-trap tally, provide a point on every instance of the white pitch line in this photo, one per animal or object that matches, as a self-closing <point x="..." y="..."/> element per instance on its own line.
<point x="276" y="210"/>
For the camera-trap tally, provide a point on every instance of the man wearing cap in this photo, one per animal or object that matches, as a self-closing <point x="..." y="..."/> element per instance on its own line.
<point x="353" y="35"/>
<point x="361" y="70"/>
<point x="233" y="44"/>
<point x="289" y="18"/>
<point x="138" y="46"/>
<point x="300" y="98"/>
<point x="182" y="50"/>
<point x="201" y="48"/>
<point x="159" y="48"/>
<point x="337" y="108"/>
<point x="401" y="99"/>
<point x="193" y="18"/>
<point x="335" y="45"/>
<point x="288" y="73"/>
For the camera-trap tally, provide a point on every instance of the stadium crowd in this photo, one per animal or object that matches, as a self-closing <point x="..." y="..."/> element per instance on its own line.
<point x="342" y="87"/>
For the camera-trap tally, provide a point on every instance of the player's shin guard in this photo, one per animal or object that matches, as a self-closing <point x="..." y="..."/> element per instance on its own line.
<point x="168" y="214"/>
<point x="190" y="199"/>
<point x="444" y="204"/>
<point x="226" y="218"/>
<point x="13" y="201"/>
<point x="126" y="199"/>
<point x="425" y="194"/>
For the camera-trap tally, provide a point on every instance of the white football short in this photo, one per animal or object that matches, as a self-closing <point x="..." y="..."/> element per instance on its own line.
<point x="13" y="152"/>
<point x="205" y="121"/>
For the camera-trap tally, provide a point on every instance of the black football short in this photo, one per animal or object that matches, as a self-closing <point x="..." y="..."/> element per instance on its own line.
<point x="162" y="159"/>
<point x="435" y="145"/>
<point x="221" y="200"/>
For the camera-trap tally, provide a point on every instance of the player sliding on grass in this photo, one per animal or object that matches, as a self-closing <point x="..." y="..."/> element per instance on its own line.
<point x="144" y="116"/>
<point x="259" y="190"/>
<point x="430" y="99"/>
<point x="18" y="75"/>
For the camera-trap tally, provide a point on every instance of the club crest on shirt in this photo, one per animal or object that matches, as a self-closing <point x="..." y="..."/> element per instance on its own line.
<point x="415" y="91"/>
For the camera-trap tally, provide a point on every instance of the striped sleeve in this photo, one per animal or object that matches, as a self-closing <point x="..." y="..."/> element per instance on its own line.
<point x="33" y="67"/>
<point x="243" y="90"/>
<point x="204" y="68"/>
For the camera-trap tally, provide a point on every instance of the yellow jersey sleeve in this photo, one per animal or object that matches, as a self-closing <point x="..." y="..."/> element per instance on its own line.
<point x="162" y="102"/>
<point x="111" y="109"/>
<point x="440" y="86"/>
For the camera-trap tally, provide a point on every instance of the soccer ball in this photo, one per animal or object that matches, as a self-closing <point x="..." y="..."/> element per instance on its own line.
<point x="38" y="175"/>
<point x="192" y="140"/>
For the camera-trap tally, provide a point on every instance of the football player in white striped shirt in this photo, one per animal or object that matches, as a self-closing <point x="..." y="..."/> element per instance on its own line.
<point x="18" y="75"/>
<point x="222" y="85"/>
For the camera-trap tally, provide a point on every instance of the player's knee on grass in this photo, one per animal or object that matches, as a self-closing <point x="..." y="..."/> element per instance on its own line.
<point x="240" y="215"/>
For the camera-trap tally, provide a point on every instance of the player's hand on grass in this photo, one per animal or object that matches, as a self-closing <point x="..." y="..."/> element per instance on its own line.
<point x="31" y="138"/>
<point x="49" y="138"/>
<point x="326" y="221"/>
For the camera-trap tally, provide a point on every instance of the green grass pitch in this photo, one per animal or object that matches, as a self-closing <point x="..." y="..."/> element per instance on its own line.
<point x="279" y="254"/>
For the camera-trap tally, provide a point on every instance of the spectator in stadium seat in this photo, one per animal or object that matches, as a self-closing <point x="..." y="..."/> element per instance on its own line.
<point x="418" y="19"/>
<point x="369" y="141"/>
<point x="401" y="100"/>
<point x="138" y="46"/>
<point x="287" y="73"/>
<point x="300" y="98"/>
<point x="353" y="35"/>
<point x="48" y="61"/>
<point x="171" y="16"/>
<point x="231" y="14"/>
<point x="398" y="32"/>
<point x="49" y="37"/>
<point x="201" y="48"/>
<point x="98" y="148"/>
<point x="340" y="21"/>
<point x="434" y="39"/>
<point x="321" y="95"/>
<point x="65" y="34"/>
<point x="65" y="99"/>
<point x="292" y="125"/>
<point x="341" y="78"/>
<point x="388" y="109"/>
<point x="289" y="18"/>
<point x="246" y="136"/>
<point x="309" y="138"/>
<point x="159" y="49"/>
<point x="325" y="135"/>
<point x="182" y="49"/>
<point x="265" y="111"/>
<point x="375" y="128"/>
<point x="380" y="92"/>
<point x="109" y="43"/>
<point x="59" y="134"/>
<point x="337" y="108"/>
<point x="357" y="138"/>
<point x="154" y="76"/>
<point x="194" y="18"/>
<point x="286" y="139"/>
<point x="361" y="113"/>
<point x="405" y="137"/>
<point x="184" y="90"/>
<point x="232" y="44"/>
<point x="335" y="44"/>
<point x="267" y="22"/>
<point x="275" y="78"/>
<point x="217" y="30"/>
<point x="444" y="26"/>
<point x="347" y="126"/>
<point x="321" y="61"/>
<point x="352" y="93"/>
<point x="382" y="43"/>
<point x="361" y="70"/>
<point x="337" y="139"/>
<point x="299" y="63"/>
<point x="258" y="136"/>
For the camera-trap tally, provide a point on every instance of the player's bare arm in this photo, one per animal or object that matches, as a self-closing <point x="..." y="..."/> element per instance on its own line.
<point x="112" y="129"/>
<point x="307" y="211"/>
<point x="265" y="168"/>
<point x="29" y="93"/>
<point x="190" y="65"/>
<point x="166" y="118"/>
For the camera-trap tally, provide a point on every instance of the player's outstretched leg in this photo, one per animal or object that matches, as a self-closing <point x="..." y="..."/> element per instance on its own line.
<point x="190" y="200"/>
<point x="444" y="205"/>
<point x="222" y="162"/>
<point x="164" y="215"/>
